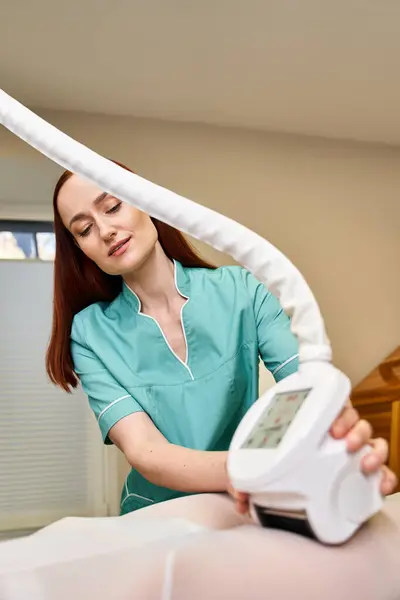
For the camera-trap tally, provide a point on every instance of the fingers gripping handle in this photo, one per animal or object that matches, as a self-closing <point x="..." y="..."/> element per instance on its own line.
<point x="257" y="255"/>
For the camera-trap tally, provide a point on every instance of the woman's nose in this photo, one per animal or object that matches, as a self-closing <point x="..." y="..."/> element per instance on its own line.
<point x="107" y="230"/>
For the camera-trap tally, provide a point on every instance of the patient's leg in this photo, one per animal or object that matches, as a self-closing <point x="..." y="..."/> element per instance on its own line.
<point x="150" y="555"/>
<point x="248" y="562"/>
<point x="214" y="511"/>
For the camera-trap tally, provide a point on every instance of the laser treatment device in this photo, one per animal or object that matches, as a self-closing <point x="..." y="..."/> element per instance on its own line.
<point x="299" y="478"/>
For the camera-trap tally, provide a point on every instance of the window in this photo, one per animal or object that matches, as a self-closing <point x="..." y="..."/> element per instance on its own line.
<point x="53" y="463"/>
<point x="24" y="240"/>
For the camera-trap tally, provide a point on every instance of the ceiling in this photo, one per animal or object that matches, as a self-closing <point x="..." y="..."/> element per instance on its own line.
<point x="316" y="67"/>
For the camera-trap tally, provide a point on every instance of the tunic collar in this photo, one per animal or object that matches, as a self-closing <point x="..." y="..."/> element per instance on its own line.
<point x="182" y="283"/>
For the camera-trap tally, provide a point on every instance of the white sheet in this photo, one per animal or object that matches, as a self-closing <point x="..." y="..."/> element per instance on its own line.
<point x="198" y="548"/>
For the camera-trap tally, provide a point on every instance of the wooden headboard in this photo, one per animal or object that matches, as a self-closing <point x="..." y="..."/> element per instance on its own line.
<point x="377" y="398"/>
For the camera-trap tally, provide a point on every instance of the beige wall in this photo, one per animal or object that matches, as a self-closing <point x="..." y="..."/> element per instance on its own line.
<point x="333" y="208"/>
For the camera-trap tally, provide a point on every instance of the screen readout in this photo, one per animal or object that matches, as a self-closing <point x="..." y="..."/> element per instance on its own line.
<point x="273" y="423"/>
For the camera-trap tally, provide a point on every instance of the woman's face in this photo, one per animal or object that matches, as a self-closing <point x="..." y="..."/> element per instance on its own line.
<point x="113" y="234"/>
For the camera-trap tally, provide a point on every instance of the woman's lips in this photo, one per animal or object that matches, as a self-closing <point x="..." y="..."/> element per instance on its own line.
<point x="121" y="247"/>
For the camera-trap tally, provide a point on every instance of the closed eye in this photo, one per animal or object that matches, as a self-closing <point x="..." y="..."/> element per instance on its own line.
<point x="114" y="209"/>
<point x="85" y="232"/>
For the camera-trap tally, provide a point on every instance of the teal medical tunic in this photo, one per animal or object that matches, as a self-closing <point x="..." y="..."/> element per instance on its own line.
<point x="125" y="364"/>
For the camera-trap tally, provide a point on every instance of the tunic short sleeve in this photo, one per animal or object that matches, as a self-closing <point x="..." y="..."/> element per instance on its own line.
<point x="277" y="344"/>
<point x="109" y="401"/>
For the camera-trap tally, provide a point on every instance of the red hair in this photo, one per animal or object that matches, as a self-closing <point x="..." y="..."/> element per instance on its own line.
<point x="79" y="282"/>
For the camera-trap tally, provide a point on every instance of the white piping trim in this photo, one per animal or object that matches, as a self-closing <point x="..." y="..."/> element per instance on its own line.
<point x="183" y="362"/>
<point x="181" y="317"/>
<point x="137" y="496"/>
<point x="137" y="298"/>
<point x="168" y="344"/>
<point x="285" y="363"/>
<point x="110" y="405"/>
<point x="131" y="495"/>
<point x="184" y="335"/>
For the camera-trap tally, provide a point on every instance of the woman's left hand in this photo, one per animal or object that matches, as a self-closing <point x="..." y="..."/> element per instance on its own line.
<point x="358" y="432"/>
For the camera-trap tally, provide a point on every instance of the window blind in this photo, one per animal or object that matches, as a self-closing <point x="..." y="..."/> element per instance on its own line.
<point x="52" y="460"/>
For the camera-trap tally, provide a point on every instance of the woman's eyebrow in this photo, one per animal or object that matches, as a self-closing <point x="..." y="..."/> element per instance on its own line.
<point x="100" y="198"/>
<point x="81" y="215"/>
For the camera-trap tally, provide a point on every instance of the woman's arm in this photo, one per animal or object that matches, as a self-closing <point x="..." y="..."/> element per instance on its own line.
<point x="165" y="464"/>
<point x="123" y="421"/>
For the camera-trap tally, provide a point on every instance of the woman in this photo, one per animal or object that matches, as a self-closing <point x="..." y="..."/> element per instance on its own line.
<point x="165" y="346"/>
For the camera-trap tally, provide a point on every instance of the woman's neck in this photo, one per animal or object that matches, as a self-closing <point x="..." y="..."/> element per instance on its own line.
<point x="154" y="281"/>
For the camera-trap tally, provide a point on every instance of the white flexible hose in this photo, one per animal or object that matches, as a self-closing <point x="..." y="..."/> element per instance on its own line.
<point x="253" y="252"/>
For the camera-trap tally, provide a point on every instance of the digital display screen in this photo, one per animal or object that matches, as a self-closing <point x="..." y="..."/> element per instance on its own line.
<point x="273" y="423"/>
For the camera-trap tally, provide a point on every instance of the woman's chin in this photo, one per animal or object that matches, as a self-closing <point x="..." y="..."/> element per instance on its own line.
<point x="123" y="266"/>
<point x="126" y="263"/>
